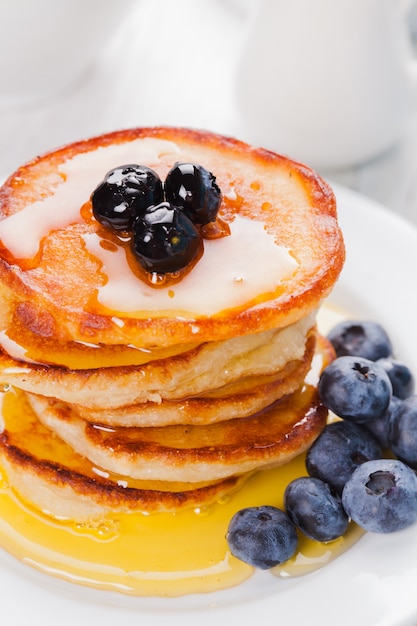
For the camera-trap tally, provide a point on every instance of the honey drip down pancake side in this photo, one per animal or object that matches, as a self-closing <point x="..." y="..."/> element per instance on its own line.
<point x="194" y="383"/>
<point x="51" y="475"/>
<point x="131" y="392"/>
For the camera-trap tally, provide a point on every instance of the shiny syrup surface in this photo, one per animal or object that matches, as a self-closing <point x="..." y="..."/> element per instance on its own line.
<point x="159" y="554"/>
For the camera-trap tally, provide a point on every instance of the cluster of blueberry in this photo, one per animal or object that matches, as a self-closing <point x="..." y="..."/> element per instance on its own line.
<point x="351" y="472"/>
<point x="164" y="218"/>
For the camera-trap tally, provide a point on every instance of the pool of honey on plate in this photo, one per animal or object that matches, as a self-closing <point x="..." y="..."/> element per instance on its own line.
<point x="157" y="554"/>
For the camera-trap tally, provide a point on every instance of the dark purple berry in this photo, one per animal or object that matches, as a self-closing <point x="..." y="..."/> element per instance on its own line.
<point x="402" y="434"/>
<point x="355" y="388"/>
<point x="125" y="193"/>
<point x="194" y="189"/>
<point x="262" y="536"/>
<point x="379" y="426"/>
<point x="381" y="496"/>
<point x="366" y="339"/>
<point x="164" y="239"/>
<point x="401" y="377"/>
<point x="315" y="509"/>
<point x="338" y="451"/>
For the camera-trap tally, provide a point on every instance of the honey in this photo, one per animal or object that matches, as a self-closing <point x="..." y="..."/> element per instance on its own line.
<point x="161" y="554"/>
<point x="150" y="554"/>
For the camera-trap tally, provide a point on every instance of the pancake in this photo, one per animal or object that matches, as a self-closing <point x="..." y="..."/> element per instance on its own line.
<point x="50" y="475"/>
<point x="183" y="453"/>
<point x="190" y="453"/>
<point x="208" y="367"/>
<point x="246" y="396"/>
<point x="67" y="283"/>
<point x="137" y="391"/>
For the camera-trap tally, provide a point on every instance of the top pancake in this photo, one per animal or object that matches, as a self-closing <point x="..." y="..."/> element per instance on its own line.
<point x="67" y="282"/>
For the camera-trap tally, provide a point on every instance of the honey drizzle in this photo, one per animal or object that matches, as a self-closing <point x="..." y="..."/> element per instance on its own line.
<point x="110" y="240"/>
<point x="164" y="554"/>
<point x="158" y="554"/>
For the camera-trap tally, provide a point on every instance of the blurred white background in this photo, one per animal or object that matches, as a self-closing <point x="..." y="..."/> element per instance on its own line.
<point x="170" y="62"/>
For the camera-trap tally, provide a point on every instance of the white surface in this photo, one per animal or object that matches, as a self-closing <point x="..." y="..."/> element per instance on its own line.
<point x="373" y="584"/>
<point x="47" y="30"/>
<point x="175" y="63"/>
<point x="318" y="96"/>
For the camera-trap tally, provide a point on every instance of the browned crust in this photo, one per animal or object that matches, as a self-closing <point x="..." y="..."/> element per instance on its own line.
<point x="192" y="453"/>
<point x="107" y="493"/>
<point x="128" y="384"/>
<point x="260" y="437"/>
<point x="297" y="297"/>
<point x="206" y="410"/>
<point x="299" y="421"/>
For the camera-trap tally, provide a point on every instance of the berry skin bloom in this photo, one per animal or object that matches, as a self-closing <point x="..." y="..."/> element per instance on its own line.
<point x="401" y="377"/>
<point x="360" y="338"/>
<point x="338" y="451"/>
<point x="355" y="388"/>
<point x="402" y="431"/>
<point x="315" y="509"/>
<point x="381" y="496"/>
<point x="262" y="536"/>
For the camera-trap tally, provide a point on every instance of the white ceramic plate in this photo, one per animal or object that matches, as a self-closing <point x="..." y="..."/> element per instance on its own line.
<point x="373" y="584"/>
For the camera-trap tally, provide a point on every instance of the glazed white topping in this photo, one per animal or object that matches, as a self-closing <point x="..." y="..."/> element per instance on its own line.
<point x="81" y="174"/>
<point x="233" y="270"/>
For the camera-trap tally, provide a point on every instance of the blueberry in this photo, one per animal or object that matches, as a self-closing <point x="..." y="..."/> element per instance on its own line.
<point x="379" y="426"/>
<point x="262" y="536"/>
<point x="400" y="375"/>
<point x="164" y="239"/>
<point x="315" y="509"/>
<point x="381" y="496"/>
<point x="194" y="189"/>
<point x="339" y="450"/>
<point x="125" y="193"/>
<point x="355" y="388"/>
<point x="402" y="434"/>
<point x="356" y="338"/>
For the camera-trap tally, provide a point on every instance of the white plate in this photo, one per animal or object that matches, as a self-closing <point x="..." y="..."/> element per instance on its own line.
<point x="373" y="584"/>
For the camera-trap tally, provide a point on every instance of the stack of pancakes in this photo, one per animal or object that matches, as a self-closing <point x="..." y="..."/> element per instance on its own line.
<point x="129" y="392"/>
